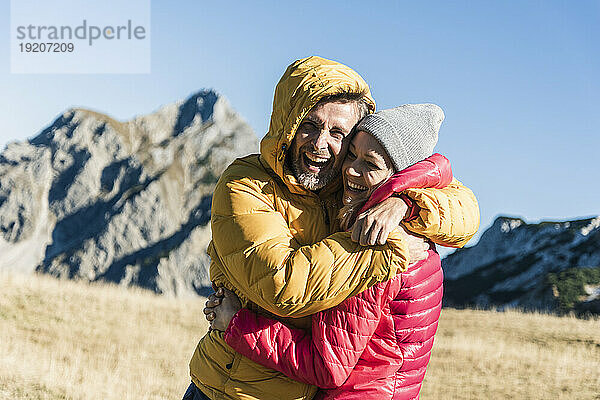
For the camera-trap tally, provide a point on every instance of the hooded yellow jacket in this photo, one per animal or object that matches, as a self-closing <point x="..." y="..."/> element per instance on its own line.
<point x="275" y="245"/>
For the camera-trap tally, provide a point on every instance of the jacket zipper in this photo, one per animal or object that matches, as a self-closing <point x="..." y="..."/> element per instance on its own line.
<point x="325" y="212"/>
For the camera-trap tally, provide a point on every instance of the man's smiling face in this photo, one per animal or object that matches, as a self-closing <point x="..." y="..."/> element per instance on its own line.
<point x="319" y="147"/>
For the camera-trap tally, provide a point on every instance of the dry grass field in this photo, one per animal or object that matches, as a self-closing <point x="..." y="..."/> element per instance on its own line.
<point x="66" y="340"/>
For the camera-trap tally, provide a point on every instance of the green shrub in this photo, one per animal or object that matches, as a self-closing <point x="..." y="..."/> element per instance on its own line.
<point x="569" y="284"/>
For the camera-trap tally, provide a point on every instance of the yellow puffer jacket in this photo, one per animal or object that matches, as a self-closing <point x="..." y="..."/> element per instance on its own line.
<point x="274" y="243"/>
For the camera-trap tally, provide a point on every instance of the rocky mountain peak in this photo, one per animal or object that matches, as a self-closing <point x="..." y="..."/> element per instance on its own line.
<point x="94" y="198"/>
<point x="514" y="263"/>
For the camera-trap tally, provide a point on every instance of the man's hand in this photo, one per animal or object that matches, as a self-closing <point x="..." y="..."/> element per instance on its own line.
<point x="220" y="308"/>
<point x="374" y="225"/>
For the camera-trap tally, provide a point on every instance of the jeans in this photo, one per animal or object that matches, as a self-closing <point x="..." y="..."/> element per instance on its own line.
<point x="193" y="393"/>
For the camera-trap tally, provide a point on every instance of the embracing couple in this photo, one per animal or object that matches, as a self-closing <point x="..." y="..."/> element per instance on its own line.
<point x="328" y="284"/>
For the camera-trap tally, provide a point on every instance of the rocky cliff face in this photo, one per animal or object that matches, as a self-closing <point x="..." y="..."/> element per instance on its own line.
<point x="545" y="266"/>
<point x="129" y="202"/>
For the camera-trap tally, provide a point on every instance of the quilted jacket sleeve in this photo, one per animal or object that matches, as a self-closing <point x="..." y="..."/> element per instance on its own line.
<point x="261" y="262"/>
<point x="448" y="216"/>
<point x="324" y="358"/>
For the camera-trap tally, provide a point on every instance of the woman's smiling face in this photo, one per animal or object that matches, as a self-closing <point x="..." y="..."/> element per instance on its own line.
<point x="367" y="165"/>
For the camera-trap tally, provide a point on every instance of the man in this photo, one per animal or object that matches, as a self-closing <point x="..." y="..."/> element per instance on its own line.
<point x="273" y="221"/>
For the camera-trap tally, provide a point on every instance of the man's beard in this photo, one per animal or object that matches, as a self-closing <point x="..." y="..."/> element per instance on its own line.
<point x="309" y="180"/>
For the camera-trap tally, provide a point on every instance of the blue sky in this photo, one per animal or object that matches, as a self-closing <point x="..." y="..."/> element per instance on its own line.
<point x="519" y="82"/>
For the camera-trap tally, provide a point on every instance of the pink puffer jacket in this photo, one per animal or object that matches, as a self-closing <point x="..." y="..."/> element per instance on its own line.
<point x="375" y="345"/>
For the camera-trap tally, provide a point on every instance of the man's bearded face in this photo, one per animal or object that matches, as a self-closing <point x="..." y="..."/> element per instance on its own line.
<point x="320" y="144"/>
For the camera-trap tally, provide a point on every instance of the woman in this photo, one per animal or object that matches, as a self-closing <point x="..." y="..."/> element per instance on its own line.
<point x="376" y="344"/>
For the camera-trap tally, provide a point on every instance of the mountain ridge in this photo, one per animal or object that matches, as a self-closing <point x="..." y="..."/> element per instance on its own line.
<point x="514" y="263"/>
<point x="93" y="198"/>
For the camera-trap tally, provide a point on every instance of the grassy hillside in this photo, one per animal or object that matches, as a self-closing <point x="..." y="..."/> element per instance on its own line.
<point x="66" y="340"/>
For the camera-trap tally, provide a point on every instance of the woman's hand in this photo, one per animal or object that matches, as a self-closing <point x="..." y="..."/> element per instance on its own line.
<point x="220" y="308"/>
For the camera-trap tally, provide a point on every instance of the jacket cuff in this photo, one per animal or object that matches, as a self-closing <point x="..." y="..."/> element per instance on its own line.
<point x="413" y="208"/>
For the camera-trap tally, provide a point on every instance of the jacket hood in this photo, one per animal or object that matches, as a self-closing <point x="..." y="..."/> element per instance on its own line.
<point x="303" y="84"/>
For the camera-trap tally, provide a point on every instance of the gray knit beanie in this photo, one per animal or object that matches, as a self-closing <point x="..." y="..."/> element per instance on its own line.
<point x="408" y="133"/>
